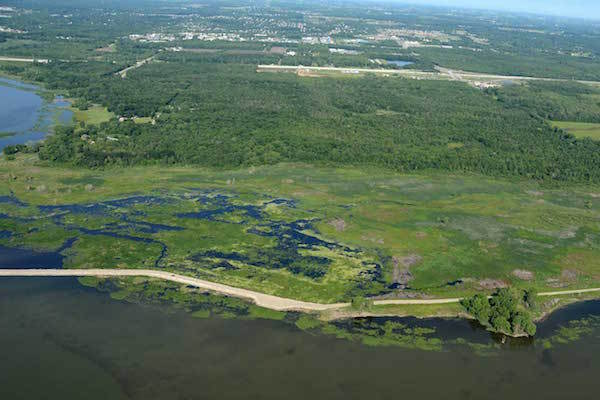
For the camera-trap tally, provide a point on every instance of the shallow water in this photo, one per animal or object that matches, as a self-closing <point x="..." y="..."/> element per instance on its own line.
<point x="25" y="114"/>
<point x="399" y="63"/>
<point x="18" y="84"/>
<point x="61" y="340"/>
<point x="23" y="258"/>
<point x="19" y="111"/>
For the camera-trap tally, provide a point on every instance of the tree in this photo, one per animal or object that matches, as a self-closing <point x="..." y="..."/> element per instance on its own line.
<point x="521" y="322"/>
<point x="479" y="307"/>
<point x="500" y="324"/>
<point x="503" y="312"/>
<point x="530" y="298"/>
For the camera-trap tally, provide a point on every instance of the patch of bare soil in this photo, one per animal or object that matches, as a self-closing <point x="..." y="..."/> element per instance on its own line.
<point x="307" y="73"/>
<point x="401" y="294"/>
<point x="409" y="260"/>
<point x="305" y="193"/>
<point x="569" y="233"/>
<point x="372" y="239"/>
<point x="107" y="49"/>
<point x="569" y="274"/>
<point x="556" y="283"/>
<point x="421" y="235"/>
<point x="567" y="277"/>
<point x="401" y="277"/>
<point x="401" y="274"/>
<point x="201" y="51"/>
<point x="551" y="303"/>
<point x="523" y="274"/>
<point x="277" y="50"/>
<point x="492" y="284"/>
<point x="535" y="193"/>
<point x="339" y="224"/>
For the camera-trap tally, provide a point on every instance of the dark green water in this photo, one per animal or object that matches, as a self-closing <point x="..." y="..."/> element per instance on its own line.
<point x="59" y="340"/>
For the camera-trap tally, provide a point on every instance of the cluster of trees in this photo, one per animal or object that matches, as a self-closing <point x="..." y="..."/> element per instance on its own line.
<point x="10" y="150"/>
<point x="560" y="101"/>
<point x="504" y="312"/>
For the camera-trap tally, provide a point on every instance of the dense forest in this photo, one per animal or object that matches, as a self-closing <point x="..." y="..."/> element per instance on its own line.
<point x="560" y="101"/>
<point x="228" y="115"/>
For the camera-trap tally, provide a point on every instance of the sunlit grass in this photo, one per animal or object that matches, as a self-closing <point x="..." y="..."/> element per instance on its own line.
<point x="579" y="129"/>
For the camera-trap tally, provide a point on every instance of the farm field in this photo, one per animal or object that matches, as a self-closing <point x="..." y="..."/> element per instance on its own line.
<point x="311" y="233"/>
<point x="579" y="129"/>
<point x="95" y="114"/>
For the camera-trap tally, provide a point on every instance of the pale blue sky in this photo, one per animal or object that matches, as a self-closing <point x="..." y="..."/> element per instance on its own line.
<point x="567" y="8"/>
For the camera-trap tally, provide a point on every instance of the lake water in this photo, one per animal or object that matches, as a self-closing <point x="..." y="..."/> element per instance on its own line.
<point x="25" y="113"/>
<point x="62" y="340"/>
<point x="399" y="63"/>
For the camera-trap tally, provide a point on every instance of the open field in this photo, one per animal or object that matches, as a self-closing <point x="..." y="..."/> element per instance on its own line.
<point x="579" y="129"/>
<point x="316" y="234"/>
<point x="93" y="115"/>
<point x="142" y="120"/>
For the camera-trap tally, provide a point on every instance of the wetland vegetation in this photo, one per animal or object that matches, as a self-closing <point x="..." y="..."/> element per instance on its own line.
<point x="311" y="233"/>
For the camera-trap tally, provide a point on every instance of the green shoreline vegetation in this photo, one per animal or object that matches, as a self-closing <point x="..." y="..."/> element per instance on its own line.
<point x="504" y="312"/>
<point x="384" y="331"/>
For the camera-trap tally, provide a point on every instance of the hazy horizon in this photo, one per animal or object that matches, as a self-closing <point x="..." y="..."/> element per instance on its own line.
<point x="589" y="9"/>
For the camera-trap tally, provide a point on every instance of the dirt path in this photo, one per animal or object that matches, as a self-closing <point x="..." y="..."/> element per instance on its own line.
<point x="261" y="299"/>
<point x="123" y="72"/>
<point x="565" y="292"/>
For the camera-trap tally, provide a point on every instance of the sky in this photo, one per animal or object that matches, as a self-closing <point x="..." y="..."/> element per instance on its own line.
<point x="566" y="8"/>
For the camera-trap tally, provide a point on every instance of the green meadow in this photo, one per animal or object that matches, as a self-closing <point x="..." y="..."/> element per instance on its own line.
<point x="579" y="129"/>
<point x="94" y="115"/>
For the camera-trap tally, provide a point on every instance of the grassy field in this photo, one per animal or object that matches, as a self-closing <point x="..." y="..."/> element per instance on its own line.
<point x="93" y="115"/>
<point x="312" y="233"/>
<point x="142" y="120"/>
<point x="579" y="129"/>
